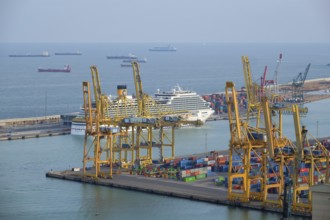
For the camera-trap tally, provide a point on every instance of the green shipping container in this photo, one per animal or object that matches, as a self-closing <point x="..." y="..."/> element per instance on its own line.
<point x="201" y="176"/>
<point x="189" y="179"/>
<point x="221" y="178"/>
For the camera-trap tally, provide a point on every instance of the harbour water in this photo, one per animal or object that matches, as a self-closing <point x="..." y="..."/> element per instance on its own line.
<point x="26" y="193"/>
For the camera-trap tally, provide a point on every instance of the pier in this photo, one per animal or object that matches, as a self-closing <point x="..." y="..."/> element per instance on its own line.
<point x="202" y="190"/>
<point x="35" y="127"/>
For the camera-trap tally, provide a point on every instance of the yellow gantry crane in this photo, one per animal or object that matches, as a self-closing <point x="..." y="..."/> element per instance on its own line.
<point x="264" y="144"/>
<point x="316" y="157"/>
<point x="280" y="152"/>
<point x="244" y="142"/>
<point x="121" y="127"/>
<point x="280" y="159"/>
<point x="151" y="115"/>
<point x="99" y="126"/>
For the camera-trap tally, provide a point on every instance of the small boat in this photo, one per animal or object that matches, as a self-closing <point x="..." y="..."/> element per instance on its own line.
<point x="44" y="54"/>
<point x="168" y="48"/>
<point x="129" y="56"/>
<point x="70" y="53"/>
<point x="66" y="69"/>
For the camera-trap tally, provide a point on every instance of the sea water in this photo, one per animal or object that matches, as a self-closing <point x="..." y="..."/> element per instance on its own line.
<point x="204" y="68"/>
<point x="26" y="193"/>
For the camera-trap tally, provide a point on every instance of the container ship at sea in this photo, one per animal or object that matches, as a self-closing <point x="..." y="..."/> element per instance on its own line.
<point x="66" y="69"/>
<point x="43" y="54"/>
<point x="78" y="53"/>
<point x="123" y="57"/>
<point x="177" y="99"/>
<point x="167" y="48"/>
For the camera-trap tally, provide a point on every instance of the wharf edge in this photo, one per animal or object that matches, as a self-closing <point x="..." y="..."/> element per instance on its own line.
<point x="159" y="186"/>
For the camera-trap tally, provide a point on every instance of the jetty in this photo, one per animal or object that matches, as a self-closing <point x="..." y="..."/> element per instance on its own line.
<point x="35" y="127"/>
<point x="203" y="190"/>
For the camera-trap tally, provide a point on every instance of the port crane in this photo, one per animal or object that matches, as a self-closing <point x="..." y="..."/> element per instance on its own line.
<point x="276" y="87"/>
<point x="99" y="126"/>
<point x="280" y="153"/>
<point x="153" y="116"/>
<point x="267" y="145"/>
<point x="244" y="142"/>
<point x="310" y="167"/>
<point x="298" y="85"/>
<point x="281" y="160"/>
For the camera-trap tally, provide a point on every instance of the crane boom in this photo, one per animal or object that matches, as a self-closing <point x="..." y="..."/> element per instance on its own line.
<point x="276" y="74"/>
<point x="97" y="89"/>
<point x="251" y="91"/>
<point x="139" y="89"/>
<point x="298" y="133"/>
<point x="263" y="82"/>
<point x="248" y="80"/>
<point x="234" y="120"/>
<point x="269" y="127"/>
<point x="300" y="79"/>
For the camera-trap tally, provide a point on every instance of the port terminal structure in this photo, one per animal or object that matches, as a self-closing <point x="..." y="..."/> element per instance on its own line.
<point x="262" y="161"/>
<point x="129" y="140"/>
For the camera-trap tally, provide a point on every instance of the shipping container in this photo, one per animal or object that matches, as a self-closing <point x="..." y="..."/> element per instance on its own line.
<point x="189" y="179"/>
<point x="200" y="176"/>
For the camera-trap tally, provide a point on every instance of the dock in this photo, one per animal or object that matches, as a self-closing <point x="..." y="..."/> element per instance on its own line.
<point x="35" y="127"/>
<point x="202" y="190"/>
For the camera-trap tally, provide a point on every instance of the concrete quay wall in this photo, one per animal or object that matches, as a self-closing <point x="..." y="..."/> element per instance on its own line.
<point x="203" y="190"/>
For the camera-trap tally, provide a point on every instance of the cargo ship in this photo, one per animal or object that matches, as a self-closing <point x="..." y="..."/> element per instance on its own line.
<point x="168" y="48"/>
<point x="122" y="57"/>
<point x="194" y="106"/>
<point x="126" y="65"/>
<point x="70" y="53"/>
<point x="142" y="60"/>
<point x="66" y="69"/>
<point x="44" y="54"/>
<point x="128" y="62"/>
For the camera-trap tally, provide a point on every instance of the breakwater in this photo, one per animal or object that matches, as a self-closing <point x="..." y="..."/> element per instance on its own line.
<point x="22" y="128"/>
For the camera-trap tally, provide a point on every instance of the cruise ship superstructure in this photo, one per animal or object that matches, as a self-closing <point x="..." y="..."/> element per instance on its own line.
<point x="177" y="99"/>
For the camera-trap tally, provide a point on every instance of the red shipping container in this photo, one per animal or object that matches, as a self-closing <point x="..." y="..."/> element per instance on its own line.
<point x="304" y="170"/>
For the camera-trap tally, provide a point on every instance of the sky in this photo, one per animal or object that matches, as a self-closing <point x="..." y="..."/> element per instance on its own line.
<point x="165" y="21"/>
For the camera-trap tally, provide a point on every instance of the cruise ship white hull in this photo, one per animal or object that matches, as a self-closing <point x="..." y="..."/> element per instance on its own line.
<point x="78" y="128"/>
<point x="177" y="99"/>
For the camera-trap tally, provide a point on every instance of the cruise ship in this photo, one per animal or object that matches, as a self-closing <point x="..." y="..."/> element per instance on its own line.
<point x="177" y="99"/>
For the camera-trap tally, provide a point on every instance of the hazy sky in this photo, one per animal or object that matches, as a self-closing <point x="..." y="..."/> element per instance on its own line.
<point x="165" y="21"/>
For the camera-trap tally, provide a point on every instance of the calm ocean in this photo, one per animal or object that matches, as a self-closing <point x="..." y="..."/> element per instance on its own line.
<point x="26" y="193"/>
